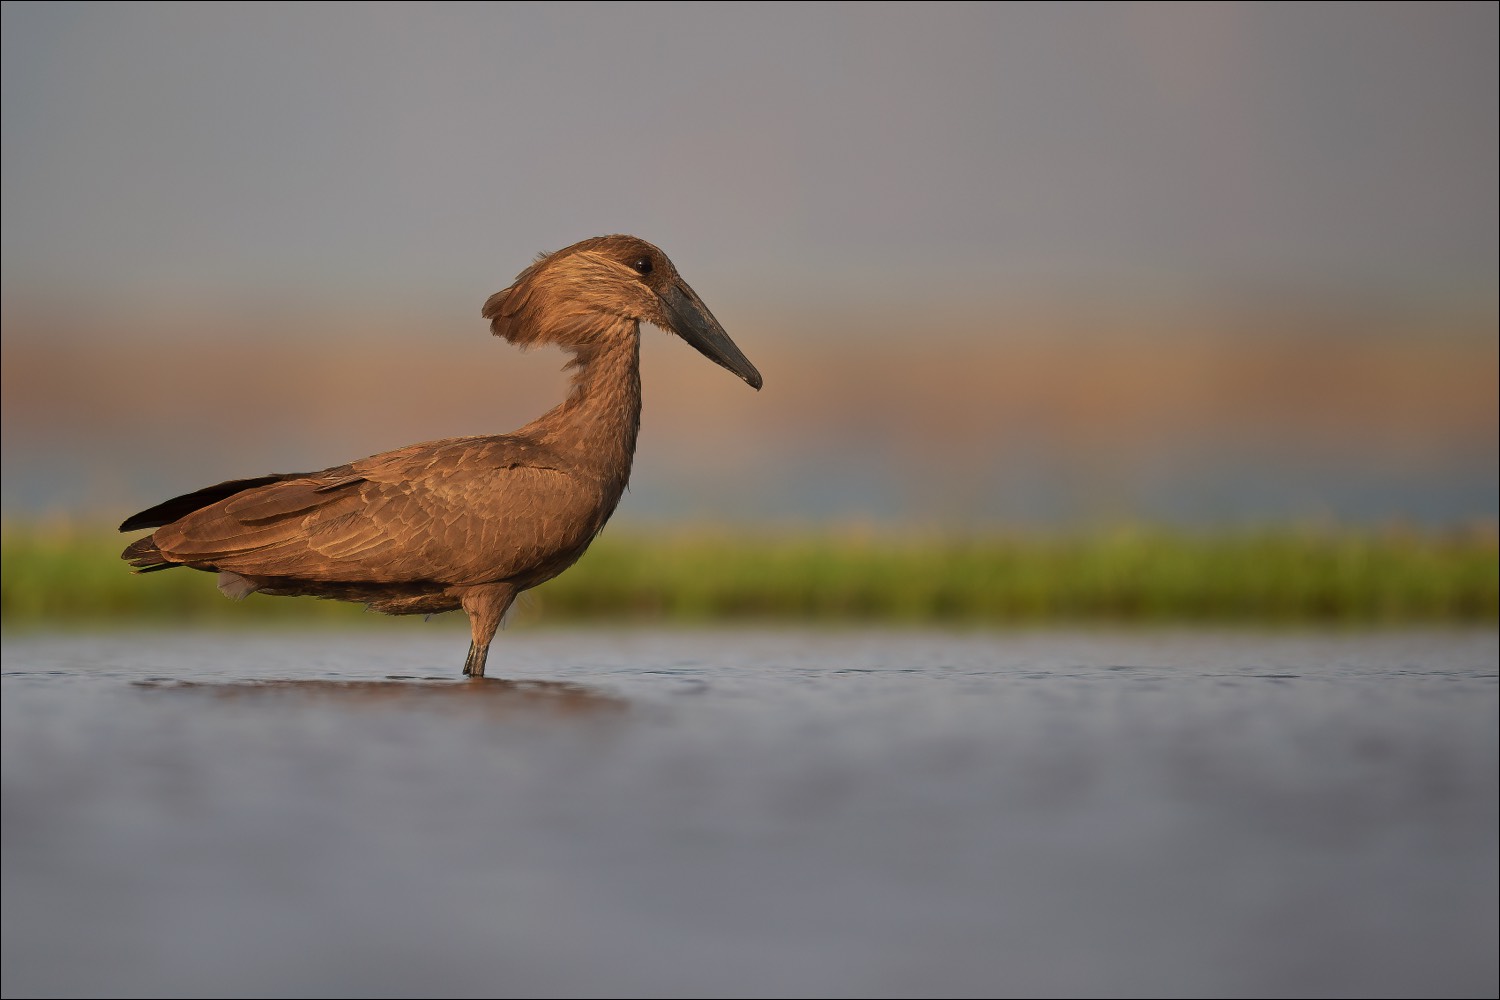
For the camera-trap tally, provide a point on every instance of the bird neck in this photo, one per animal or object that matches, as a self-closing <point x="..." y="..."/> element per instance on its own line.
<point x="596" y="426"/>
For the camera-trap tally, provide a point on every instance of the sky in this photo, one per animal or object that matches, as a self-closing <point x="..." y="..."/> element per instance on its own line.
<point x="999" y="262"/>
<point x="803" y="152"/>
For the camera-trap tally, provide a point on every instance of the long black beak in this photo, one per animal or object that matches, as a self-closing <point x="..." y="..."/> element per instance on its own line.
<point x="692" y="321"/>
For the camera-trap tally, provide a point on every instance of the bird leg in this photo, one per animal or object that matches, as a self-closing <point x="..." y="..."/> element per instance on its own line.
<point x="485" y="605"/>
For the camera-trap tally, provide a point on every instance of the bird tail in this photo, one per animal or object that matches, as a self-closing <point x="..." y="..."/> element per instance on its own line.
<point x="145" y="556"/>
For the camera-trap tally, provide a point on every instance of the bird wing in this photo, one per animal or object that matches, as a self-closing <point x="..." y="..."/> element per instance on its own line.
<point x="464" y="511"/>
<point x="170" y="510"/>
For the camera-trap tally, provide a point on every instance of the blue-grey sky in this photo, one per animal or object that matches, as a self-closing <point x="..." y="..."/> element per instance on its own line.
<point x="425" y="151"/>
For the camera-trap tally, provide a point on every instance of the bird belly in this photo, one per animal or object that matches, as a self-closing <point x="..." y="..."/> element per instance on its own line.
<point x="423" y="597"/>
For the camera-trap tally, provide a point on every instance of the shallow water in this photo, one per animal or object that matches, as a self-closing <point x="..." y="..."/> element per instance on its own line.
<point x="747" y="813"/>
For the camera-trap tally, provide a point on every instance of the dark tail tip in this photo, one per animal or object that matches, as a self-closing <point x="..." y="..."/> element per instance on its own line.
<point x="145" y="556"/>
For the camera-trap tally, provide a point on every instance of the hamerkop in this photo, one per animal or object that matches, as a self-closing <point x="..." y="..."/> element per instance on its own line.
<point x="466" y="522"/>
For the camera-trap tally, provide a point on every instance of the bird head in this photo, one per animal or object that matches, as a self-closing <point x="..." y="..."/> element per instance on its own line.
<point x="573" y="298"/>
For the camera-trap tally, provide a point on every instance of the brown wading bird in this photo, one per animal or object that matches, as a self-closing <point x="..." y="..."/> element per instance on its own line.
<point x="467" y="522"/>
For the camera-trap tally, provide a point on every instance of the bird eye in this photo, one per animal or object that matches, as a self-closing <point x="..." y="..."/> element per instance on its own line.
<point x="642" y="265"/>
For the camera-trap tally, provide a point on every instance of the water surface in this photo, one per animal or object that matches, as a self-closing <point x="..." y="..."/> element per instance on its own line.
<point x="753" y="812"/>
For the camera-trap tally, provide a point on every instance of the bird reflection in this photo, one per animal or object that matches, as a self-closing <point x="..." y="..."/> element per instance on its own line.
<point x="489" y="694"/>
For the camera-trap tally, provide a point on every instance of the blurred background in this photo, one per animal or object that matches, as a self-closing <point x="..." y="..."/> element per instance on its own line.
<point x="1017" y="265"/>
<point x="1070" y="316"/>
<point x="1080" y="323"/>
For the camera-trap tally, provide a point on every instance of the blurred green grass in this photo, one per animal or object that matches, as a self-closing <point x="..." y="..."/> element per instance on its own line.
<point x="62" y="572"/>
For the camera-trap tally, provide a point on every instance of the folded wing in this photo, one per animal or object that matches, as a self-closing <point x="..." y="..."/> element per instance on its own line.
<point x="455" y="512"/>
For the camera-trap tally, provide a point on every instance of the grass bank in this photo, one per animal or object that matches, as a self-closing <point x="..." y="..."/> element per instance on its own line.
<point x="60" y="573"/>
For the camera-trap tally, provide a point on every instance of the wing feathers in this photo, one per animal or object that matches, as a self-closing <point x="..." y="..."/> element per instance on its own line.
<point x="455" y="512"/>
<point x="283" y="500"/>
<point x="170" y="510"/>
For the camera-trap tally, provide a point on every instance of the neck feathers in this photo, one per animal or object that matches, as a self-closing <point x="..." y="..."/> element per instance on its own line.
<point x="596" y="426"/>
